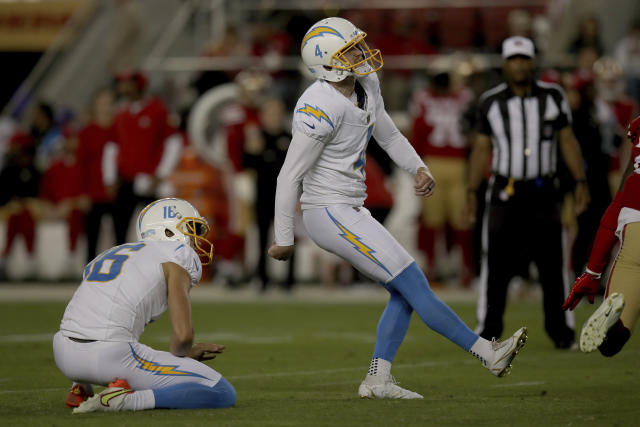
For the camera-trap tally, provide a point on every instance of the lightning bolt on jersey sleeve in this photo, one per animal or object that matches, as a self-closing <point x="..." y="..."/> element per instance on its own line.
<point x="314" y="119"/>
<point x="301" y="156"/>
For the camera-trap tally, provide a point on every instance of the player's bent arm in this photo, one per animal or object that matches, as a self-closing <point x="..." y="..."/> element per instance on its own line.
<point x="396" y="145"/>
<point x="301" y="156"/>
<point x="178" y="285"/>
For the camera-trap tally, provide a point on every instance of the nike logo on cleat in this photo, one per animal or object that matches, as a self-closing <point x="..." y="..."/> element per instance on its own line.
<point x="105" y="398"/>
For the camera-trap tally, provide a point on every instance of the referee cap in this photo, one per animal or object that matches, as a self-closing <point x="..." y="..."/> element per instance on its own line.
<point x="518" y="46"/>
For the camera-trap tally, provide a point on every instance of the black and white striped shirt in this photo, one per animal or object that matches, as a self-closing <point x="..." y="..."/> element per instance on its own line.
<point x="524" y="130"/>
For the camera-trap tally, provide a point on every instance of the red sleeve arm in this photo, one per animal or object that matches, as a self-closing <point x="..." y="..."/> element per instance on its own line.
<point x="605" y="237"/>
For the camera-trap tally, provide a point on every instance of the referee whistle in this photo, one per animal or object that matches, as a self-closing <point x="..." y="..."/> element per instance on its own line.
<point x="510" y="189"/>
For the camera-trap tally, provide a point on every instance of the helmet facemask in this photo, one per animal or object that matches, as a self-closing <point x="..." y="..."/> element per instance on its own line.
<point x="196" y="229"/>
<point x="370" y="63"/>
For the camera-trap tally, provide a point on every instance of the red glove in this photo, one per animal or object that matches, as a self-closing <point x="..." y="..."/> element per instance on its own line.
<point x="585" y="285"/>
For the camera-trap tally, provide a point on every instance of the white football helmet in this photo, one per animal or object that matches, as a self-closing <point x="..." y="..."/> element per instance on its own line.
<point x="325" y="43"/>
<point x="174" y="219"/>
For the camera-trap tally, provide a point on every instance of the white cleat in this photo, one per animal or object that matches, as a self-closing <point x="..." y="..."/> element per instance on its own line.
<point x="380" y="387"/>
<point x="111" y="399"/>
<point x="505" y="351"/>
<point x="595" y="328"/>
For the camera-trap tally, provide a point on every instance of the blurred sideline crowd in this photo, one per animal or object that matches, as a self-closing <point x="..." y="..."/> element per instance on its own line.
<point x="131" y="146"/>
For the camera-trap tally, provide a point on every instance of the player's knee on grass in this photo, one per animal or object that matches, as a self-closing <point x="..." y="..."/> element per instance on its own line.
<point x="196" y="396"/>
<point x="616" y="338"/>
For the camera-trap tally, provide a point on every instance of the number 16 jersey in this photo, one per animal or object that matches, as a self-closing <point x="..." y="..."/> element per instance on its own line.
<point x="124" y="289"/>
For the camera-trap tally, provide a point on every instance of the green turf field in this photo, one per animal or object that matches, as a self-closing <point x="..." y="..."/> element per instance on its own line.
<point x="299" y="364"/>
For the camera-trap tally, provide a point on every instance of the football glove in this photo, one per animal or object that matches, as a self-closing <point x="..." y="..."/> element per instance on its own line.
<point x="585" y="285"/>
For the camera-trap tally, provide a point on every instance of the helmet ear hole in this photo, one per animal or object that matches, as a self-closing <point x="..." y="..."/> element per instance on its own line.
<point x="168" y="232"/>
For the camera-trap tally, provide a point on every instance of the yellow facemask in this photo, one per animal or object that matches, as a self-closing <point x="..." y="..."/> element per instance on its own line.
<point x="372" y="58"/>
<point x="197" y="228"/>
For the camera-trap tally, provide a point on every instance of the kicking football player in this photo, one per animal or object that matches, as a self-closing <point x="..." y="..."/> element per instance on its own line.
<point x="124" y="289"/>
<point x="609" y="327"/>
<point x="332" y="124"/>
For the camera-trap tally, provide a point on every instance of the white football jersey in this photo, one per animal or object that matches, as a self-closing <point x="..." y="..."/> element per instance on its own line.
<point x="124" y="289"/>
<point x="326" y="115"/>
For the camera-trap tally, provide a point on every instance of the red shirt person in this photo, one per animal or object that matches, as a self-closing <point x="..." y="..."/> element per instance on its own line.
<point x="62" y="186"/>
<point x="94" y="141"/>
<point x="610" y="326"/>
<point x="148" y="146"/>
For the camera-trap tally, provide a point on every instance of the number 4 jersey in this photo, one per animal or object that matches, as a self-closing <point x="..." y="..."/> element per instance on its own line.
<point x="124" y="289"/>
<point x="345" y="125"/>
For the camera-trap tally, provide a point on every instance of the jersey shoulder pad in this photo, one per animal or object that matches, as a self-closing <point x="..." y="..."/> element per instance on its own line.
<point x="183" y="255"/>
<point x="318" y="113"/>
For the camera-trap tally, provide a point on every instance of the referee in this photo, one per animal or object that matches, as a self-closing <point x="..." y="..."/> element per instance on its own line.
<point x="521" y="125"/>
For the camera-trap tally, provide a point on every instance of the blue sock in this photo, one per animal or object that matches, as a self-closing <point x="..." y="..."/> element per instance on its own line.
<point x="196" y="396"/>
<point x="392" y="327"/>
<point x="414" y="287"/>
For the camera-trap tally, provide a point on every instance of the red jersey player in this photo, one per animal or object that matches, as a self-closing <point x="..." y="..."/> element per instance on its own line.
<point x="437" y="137"/>
<point x="148" y="144"/>
<point x="92" y="140"/>
<point x="609" y="327"/>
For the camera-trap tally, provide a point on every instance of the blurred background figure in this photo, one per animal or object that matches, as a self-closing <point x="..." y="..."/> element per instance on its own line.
<point x="613" y="101"/>
<point x="19" y="182"/>
<point x="437" y="113"/>
<point x="627" y="53"/>
<point x="93" y="140"/>
<point x="148" y="148"/>
<point x="46" y="134"/>
<point x="265" y="149"/>
<point x="588" y="36"/>
<point x="62" y="191"/>
<point x="592" y="125"/>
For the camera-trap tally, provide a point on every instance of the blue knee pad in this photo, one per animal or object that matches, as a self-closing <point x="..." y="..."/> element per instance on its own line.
<point x="196" y="396"/>
<point x="414" y="287"/>
<point x="392" y="327"/>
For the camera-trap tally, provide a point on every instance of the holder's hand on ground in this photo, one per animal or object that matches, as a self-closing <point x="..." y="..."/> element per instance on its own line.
<point x="281" y="253"/>
<point x="585" y="285"/>
<point x="205" y="351"/>
<point x="425" y="183"/>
